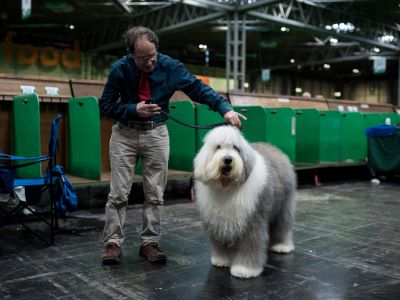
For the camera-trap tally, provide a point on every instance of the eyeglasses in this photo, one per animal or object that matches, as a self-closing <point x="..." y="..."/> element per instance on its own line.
<point x="145" y="58"/>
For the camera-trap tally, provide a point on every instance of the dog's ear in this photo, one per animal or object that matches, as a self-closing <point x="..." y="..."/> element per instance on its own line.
<point x="200" y="162"/>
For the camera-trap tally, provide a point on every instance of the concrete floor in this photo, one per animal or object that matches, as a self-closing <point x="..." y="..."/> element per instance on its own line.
<point x="347" y="247"/>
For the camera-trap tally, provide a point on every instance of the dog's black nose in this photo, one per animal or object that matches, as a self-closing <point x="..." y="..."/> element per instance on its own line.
<point x="227" y="160"/>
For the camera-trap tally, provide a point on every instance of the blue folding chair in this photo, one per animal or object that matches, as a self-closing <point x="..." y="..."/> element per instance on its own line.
<point x="8" y="165"/>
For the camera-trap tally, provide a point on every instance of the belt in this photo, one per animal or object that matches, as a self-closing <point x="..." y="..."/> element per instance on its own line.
<point x="148" y="125"/>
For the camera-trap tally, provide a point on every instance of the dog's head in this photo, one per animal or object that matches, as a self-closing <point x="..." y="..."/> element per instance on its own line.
<point x="225" y="159"/>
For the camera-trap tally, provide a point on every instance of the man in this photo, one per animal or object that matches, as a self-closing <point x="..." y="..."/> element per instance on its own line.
<point x="141" y="131"/>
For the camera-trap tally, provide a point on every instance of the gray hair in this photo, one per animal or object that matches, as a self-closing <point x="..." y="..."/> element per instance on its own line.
<point x="135" y="33"/>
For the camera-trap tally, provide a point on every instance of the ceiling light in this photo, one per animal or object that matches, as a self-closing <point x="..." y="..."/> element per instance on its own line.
<point x="202" y="46"/>
<point x="341" y="27"/>
<point x="356" y="71"/>
<point x="376" y="50"/>
<point x="285" y="29"/>
<point x="388" y="38"/>
<point x="298" y="90"/>
<point x="337" y="94"/>
<point x="327" y="66"/>
<point x="333" y="40"/>
<point x="292" y="61"/>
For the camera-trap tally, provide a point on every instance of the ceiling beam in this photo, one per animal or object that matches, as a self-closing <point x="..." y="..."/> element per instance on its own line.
<point x="299" y="15"/>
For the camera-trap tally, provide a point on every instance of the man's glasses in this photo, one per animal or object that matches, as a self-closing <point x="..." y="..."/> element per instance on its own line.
<point x="145" y="58"/>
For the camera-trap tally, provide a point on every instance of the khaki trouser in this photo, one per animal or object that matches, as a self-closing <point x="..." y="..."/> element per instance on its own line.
<point x="126" y="145"/>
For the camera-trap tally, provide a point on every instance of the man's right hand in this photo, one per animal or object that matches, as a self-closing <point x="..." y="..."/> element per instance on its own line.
<point x="147" y="110"/>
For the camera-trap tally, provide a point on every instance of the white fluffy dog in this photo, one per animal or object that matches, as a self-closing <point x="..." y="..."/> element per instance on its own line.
<point x="246" y="198"/>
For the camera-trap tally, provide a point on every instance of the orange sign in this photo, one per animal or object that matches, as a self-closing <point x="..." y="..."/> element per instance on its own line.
<point x="27" y="54"/>
<point x="205" y="79"/>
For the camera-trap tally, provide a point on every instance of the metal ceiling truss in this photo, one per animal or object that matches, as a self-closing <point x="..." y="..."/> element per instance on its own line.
<point x="314" y="18"/>
<point x="315" y="56"/>
<point x="236" y="51"/>
<point x="171" y="18"/>
<point x="311" y="16"/>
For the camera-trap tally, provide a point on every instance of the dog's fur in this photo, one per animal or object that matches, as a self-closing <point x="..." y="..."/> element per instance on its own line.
<point x="246" y="198"/>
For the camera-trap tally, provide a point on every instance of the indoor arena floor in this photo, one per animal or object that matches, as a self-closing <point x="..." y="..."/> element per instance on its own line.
<point x="347" y="247"/>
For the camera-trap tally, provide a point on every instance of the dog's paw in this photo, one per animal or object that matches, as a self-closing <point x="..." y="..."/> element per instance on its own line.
<point x="241" y="271"/>
<point x="282" y="248"/>
<point x="220" y="261"/>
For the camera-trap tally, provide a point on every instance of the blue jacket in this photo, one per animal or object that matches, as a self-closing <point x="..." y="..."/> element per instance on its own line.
<point x="120" y="94"/>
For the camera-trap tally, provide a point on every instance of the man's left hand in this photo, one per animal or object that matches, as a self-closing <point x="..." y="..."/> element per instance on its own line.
<point x="233" y="118"/>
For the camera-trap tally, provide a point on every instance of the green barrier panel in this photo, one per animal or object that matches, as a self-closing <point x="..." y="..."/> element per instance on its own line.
<point x="354" y="140"/>
<point x="84" y="158"/>
<point x="205" y="116"/>
<point x="307" y="136"/>
<point x="330" y="136"/>
<point x="281" y="129"/>
<point x="182" y="138"/>
<point x="272" y="125"/>
<point x="397" y="120"/>
<point x="373" y="119"/>
<point x="26" y="133"/>
<point x="255" y="127"/>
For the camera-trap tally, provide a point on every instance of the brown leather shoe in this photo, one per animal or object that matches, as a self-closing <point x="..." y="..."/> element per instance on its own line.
<point x="152" y="253"/>
<point x="111" y="254"/>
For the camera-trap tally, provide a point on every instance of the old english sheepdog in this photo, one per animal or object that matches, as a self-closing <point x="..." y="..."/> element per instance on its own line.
<point x="246" y="199"/>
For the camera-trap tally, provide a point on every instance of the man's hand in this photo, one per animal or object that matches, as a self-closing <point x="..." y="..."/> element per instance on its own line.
<point x="234" y="118"/>
<point x="147" y="110"/>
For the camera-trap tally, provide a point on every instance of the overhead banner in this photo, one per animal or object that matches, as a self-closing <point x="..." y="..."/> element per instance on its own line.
<point x="265" y="75"/>
<point x="26" y="9"/>
<point x="379" y="65"/>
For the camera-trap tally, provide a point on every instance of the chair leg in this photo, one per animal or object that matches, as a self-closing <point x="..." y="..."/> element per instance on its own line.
<point x="12" y="215"/>
<point x="53" y="213"/>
